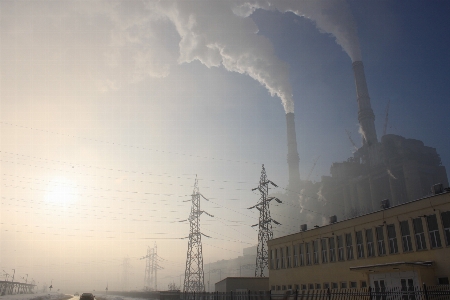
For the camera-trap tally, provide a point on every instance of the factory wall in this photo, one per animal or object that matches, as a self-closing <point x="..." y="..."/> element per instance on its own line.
<point x="410" y="241"/>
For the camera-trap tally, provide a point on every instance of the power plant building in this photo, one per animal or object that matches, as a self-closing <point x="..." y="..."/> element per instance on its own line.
<point x="395" y="168"/>
<point x="402" y="246"/>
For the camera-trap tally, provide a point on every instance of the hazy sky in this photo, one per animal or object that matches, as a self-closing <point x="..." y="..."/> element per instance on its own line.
<point x="109" y="109"/>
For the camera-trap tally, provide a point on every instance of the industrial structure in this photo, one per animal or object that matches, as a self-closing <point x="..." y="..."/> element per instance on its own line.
<point x="402" y="246"/>
<point x="395" y="168"/>
<point x="194" y="280"/>
<point x="265" y="222"/>
<point x="151" y="269"/>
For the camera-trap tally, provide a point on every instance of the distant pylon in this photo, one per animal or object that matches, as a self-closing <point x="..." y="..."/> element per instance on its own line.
<point x="265" y="223"/>
<point x="151" y="269"/>
<point x="194" y="280"/>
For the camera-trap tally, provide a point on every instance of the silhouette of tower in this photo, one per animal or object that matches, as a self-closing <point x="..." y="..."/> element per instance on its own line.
<point x="151" y="269"/>
<point x="194" y="276"/>
<point x="265" y="223"/>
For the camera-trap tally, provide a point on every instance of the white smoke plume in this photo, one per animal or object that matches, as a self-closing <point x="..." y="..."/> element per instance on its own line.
<point x="331" y="16"/>
<point x="136" y="44"/>
<point x="214" y="35"/>
<point x="362" y="133"/>
<point x="221" y="34"/>
<point x="321" y="197"/>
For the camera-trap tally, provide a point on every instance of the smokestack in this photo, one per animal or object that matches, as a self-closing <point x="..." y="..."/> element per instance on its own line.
<point x="366" y="117"/>
<point x="292" y="156"/>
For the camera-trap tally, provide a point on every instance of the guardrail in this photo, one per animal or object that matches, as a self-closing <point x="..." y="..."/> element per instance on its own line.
<point x="438" y="292"/>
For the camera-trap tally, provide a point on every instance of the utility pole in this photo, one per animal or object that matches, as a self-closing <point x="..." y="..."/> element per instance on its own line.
<point x="265" y="223"/>
<point x="194" y="280"/>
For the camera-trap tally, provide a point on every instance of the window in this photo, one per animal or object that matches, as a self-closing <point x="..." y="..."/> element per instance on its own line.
<point x="278" y="288"/>
<point x="271" y="259"/>
<point x="380" y="241"/>
<point x="363" y="284"/>
<point x="288" y="257"/>
<point x="303" y="286"/>
<point x="393" y="248"/>
<point x="406" y="237"/>
<point x="446" y="223"/>
<point x="311" y="286"/>
<point x="326" y="285"/>
<point x="419" y="235"/>
<point x="433" y="230"/>
<point x="370" y="245"/>
<point x="296" y="286"/>
<point x="316" y="251"/>
<point x="283" y="263"/>
<point x="359" y="244"/>
<point x="353" y="285"/>
<point x="349" y="244"/>
<point x="443" y="280"/>
<point x="334" y="285"/>
<point x="308" y="254"/>
<point x="295" y="255"/>
<point x="324" y="250"/>
<point x="283" y="287"/>
<point x="340" y="244"/>
<point x="343" y="285"/>
<point x="290" y="287"/>
<point x="318" y="286"/>
<point x="277" y="260"/>
<point x="332" y="249"/>
<point x="302" y="255"/>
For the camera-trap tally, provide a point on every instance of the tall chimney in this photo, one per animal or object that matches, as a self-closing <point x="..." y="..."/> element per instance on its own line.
<point x="292" y="156"/>
<point x="365" y="113"/>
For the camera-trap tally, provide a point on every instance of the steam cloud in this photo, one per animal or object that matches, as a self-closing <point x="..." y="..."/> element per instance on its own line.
<point x="221" y="33"/>
<point x="216" y="33"/>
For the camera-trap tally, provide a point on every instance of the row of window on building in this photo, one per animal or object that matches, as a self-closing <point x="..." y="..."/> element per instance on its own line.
<point x="319" y="286"/>
<point x="340" y="247"/>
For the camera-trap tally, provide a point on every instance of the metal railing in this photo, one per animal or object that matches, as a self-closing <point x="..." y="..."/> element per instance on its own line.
<point x="438" y="292"/>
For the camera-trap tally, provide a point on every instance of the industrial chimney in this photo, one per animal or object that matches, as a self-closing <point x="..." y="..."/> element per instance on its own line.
<point x="292" y="156"/>
<point x="366" y="116"/>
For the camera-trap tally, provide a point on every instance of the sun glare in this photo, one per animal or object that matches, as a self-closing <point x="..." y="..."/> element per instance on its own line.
<point x="61" y="191"/>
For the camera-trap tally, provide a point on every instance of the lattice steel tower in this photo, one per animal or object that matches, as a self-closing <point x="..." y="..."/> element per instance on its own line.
<point x="265" y="223"/>
<point x="151" y="269"/>
<point x="194" y="276"/>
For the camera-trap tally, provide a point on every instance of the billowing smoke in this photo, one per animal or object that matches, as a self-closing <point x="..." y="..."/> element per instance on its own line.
<point x="330" y="16"/>
<point x="216" y="36"/>
<point x="216" y="33"/>
<point x="221" y="33"/>
<point x="320" y="197"/>
<point x="362" y="133"/>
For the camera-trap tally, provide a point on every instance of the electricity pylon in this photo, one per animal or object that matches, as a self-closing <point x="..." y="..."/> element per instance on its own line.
<point x="151" y="269"/>
<point x="265" y="223"/>
<point x="194" y="280"/>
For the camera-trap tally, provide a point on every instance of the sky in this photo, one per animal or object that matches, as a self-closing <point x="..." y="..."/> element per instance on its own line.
<point x="109" y="111"/>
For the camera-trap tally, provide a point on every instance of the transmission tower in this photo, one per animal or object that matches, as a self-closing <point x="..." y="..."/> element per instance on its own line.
<point x="265" y="223"/>
<point x="151" y="268"/>
<point x="194" y="280"/>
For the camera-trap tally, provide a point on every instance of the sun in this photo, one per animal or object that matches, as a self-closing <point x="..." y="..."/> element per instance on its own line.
<point x="61" y="190"/>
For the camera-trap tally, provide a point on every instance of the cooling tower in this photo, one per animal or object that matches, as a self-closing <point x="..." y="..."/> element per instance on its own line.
<point x="292" y="156"/>
<point x="366" y="116"/>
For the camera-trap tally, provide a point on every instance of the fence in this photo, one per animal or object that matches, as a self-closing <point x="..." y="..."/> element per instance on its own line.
<point x="439" y="292"/>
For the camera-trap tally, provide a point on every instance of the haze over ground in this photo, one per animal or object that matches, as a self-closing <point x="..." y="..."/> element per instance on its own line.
<point x="105" y="122"/>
